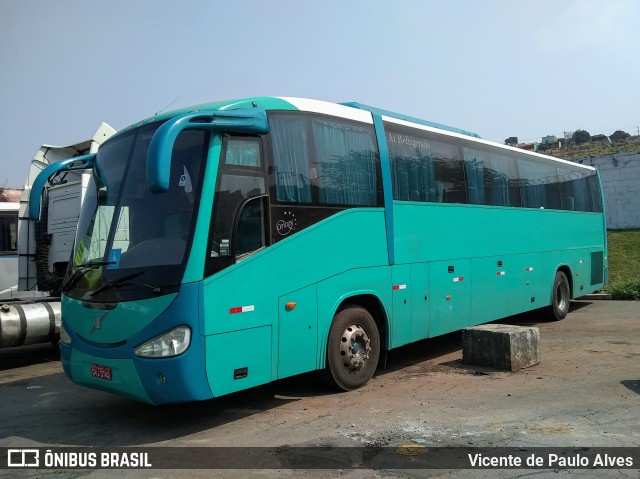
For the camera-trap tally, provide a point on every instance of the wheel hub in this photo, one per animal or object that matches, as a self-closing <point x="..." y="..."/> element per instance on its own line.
<point x="355" y="347"/>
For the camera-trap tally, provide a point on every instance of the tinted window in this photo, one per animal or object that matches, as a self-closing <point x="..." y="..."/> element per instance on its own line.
<point x="539" y="184"/>
<point x="232" y="191"/>
<point x="140" y="233"/>
<point x="290" y="152"/>
<point x="138" y="226"/>
<point x="450" y="173"/>
<point x="242" y="152"/>
<point x="412" y="168"/>
<point x="425" y="166"/>
<point x="238" y="226"/>
<point x="558" y="186"/>
<point x="492" y="177"/>
<point x="574" y="189"/>
<point x="345" y="159"/>
<point x="596" y="194"/>
<point x="323" y="160"/>
<point x="251" y="233"/>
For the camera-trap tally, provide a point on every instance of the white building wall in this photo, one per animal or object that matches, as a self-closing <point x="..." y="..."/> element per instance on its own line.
<point x="620" y="175"/>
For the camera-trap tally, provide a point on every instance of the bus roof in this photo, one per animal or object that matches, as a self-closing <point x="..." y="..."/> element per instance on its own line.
<point x="339" y="109"/>
<point x="290" y="103"/>
<point x="391" y="114"/>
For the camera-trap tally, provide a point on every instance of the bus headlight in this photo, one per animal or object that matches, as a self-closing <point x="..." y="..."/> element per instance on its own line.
<point x="64" y="336"/>
<point x="170" y="344"/>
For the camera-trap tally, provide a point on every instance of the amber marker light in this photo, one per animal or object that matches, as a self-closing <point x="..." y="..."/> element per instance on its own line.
<point x="290" y="305"/>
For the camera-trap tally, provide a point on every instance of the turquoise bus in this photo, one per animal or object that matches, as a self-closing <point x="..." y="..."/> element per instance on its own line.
<point x="235" y="243"/>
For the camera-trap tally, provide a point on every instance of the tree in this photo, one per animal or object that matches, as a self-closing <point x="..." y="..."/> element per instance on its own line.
<point x="619" y="135"/>
<point x="581" y="136"/>
<point x="512" y="140"/>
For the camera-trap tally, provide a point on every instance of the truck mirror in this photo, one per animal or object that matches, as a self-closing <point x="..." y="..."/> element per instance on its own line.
<point x="84" y="162"/>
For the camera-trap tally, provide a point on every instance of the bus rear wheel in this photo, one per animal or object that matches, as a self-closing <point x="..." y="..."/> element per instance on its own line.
<point x="560" y="298"/>
<point x="353" y="349"/>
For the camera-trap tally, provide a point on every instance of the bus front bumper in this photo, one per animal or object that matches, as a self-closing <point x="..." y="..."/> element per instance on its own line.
<point x="156" y="381"/>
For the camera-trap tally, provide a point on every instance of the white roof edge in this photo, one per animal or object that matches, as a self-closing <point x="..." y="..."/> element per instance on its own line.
<point x="9" y="206"/>
<point x="102" y="133"/>
<point x="484" y="142"/>
<point x="329" y="108"/>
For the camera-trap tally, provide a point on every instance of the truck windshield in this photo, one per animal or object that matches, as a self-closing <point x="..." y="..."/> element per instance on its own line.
<point x="125" y="231"/>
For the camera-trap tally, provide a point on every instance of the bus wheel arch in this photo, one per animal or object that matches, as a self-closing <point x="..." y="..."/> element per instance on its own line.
<point x="356" y="338"/>
<point x="561" y="294"/>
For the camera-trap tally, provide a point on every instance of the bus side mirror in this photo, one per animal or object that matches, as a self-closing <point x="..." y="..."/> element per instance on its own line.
<point x="84" y="162"/>
<point x="252" y="121"/>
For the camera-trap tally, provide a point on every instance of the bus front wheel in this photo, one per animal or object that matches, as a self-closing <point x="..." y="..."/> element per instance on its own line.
<point x="560" y="298"/>
<point x="353" y="349"/>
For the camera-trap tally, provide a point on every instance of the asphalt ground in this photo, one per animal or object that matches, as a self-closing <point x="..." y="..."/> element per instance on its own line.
<point x="585" y="393"/>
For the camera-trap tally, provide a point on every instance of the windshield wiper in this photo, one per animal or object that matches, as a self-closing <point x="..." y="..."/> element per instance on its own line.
<point x="117" y="283"/>
<point x="81" y="271"/>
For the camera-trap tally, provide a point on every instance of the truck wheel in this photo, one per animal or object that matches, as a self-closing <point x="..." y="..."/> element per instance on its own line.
<point x="353" y="349"/>
<point x="560" y="298"/>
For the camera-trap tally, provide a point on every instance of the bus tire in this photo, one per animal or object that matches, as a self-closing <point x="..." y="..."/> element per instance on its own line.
<point x="560" y="298"/>
<point x="353" y="349"/>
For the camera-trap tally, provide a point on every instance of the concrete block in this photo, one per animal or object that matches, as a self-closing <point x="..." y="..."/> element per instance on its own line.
<point x="501" y="346"/>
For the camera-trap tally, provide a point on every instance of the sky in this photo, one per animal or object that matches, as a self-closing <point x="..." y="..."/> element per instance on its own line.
<point x="500" y="68"/>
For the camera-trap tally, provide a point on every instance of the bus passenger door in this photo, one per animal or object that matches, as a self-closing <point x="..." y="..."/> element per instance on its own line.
<point x="298" y="332"/>
<point x="450" y="302"/>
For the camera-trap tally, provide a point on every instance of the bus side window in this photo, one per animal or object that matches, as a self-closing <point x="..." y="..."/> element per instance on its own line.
<point x="243" y="152"/>
<point x="290" y="153"/>
<point x="595" y="192"/>
<point x="345" y="159"/>
<point x="439" y="192"/>
<point x="425" y="167"/>
<point x="241" y="177"/>
<point x="251" y="231"/>
<point x="450" y="174"/>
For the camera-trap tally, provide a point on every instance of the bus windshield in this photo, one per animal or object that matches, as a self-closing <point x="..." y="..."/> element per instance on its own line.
<point x="130" y="243"/>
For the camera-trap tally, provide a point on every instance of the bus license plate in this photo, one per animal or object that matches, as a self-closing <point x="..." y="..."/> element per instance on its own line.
<point x="101" y="372"/>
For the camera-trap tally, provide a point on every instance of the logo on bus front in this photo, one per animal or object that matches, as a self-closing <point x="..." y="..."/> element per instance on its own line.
<point x="287" y="224"/>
